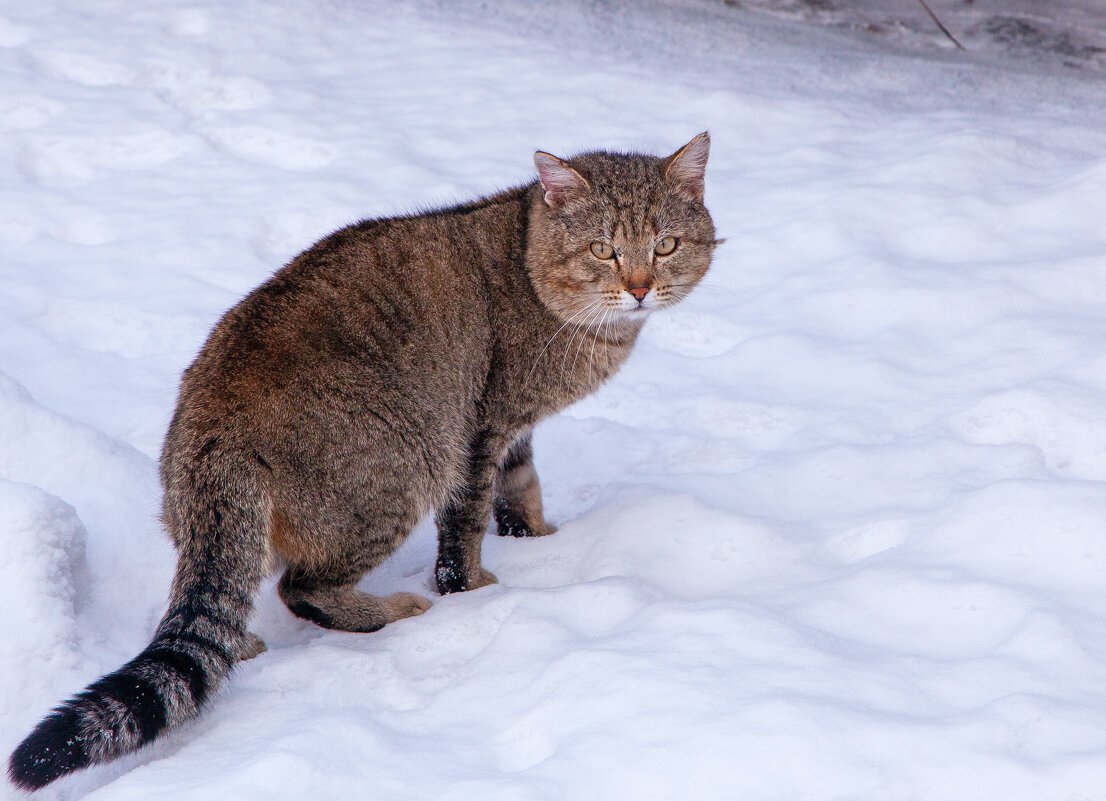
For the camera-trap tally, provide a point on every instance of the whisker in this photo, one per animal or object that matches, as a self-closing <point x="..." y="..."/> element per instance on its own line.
<point x="595" y="338"/>
<point x="581" y="326"/>
<point x="567" y="322"/>
<point x="583" y="332"/>
<point x="705" y="285"/>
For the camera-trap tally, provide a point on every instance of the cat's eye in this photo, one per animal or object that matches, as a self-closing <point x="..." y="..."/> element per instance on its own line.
<point x="666" y="246"/>
<point x="602" y="250"/>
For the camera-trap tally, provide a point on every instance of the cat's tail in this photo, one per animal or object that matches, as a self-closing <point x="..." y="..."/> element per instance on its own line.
<point x="222" y="560"/>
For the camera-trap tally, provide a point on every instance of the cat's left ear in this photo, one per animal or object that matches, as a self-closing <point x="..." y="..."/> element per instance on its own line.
<point x="560" y="182"/>
<point x="686" y="168"/>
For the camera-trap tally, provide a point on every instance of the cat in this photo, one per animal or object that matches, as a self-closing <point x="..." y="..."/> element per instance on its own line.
<point x="397" y="366"/>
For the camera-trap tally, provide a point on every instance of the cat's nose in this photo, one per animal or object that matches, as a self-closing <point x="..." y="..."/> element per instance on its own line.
<point x="639" y="292"/>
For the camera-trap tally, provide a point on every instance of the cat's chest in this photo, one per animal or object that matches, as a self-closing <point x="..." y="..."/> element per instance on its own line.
<point x="543" y="378"/>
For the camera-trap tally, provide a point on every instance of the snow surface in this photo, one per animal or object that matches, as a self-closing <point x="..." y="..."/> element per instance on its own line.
<point x="838" y="529"/>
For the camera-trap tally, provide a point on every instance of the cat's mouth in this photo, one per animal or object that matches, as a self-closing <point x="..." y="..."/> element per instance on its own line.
<point x="633" y="305"/>
<point x="637" y="313"/>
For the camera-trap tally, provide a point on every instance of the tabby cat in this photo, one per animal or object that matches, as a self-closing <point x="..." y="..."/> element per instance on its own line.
<point x="396" y="367"/>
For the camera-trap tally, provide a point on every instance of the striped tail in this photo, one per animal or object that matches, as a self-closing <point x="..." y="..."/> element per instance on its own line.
<point x="201" y="636"/>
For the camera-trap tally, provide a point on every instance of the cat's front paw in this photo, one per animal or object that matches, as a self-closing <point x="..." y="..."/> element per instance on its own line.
<point x="453" y="578"/>
<point x="486" y="577"/>
<point x="510" y="522"/>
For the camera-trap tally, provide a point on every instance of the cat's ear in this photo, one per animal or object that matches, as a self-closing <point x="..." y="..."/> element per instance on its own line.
<point x="687" y="167"/>
<point x="560" y="182"/>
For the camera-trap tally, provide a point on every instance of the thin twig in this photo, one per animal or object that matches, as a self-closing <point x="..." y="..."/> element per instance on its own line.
<point x="944" y="30"/>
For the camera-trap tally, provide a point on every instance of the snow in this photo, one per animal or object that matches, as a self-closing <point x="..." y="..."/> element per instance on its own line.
<point x="835" y="532"/>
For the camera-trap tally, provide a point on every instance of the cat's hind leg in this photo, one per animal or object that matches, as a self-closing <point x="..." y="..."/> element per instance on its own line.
<point x="334" y="602"/>
<point x="324" y="566"/>
<point x="517" y="507"/>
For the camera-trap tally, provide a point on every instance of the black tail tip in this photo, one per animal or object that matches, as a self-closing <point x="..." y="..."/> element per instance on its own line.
<point x="53" y="749"/>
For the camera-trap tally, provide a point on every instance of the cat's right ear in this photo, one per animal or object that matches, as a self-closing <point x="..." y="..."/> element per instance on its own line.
<point x="560" y="182"/>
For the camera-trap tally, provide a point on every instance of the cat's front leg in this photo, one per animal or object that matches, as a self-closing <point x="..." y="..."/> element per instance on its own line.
<point x="517" y="506"/>
<point x="463" y="520"/>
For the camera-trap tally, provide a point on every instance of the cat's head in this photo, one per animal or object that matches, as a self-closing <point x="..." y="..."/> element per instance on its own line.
<point x="616" y="236"/>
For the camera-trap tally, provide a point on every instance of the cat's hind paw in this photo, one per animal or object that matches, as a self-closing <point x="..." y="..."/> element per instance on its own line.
<point x="405" y="604"/>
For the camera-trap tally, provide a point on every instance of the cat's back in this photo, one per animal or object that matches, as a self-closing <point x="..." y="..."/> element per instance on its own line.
<point x="384" y="314"/>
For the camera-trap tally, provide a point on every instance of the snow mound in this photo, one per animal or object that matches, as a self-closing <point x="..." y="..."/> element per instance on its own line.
<point x="42" y="577"/>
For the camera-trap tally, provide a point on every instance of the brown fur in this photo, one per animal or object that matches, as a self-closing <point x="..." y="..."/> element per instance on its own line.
<point x="396" y="367"/>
